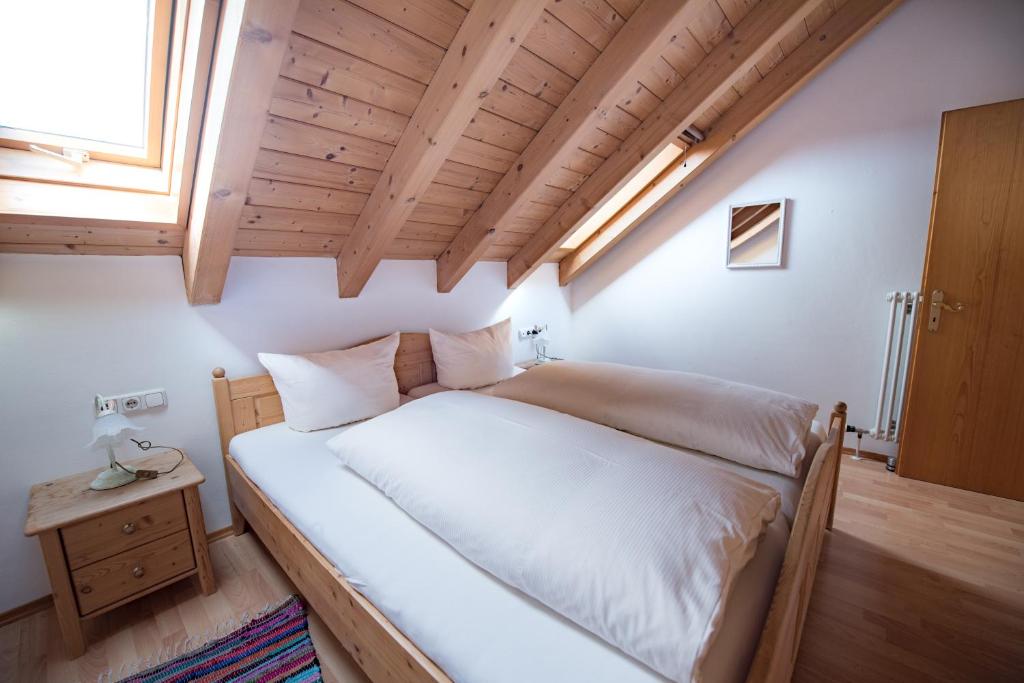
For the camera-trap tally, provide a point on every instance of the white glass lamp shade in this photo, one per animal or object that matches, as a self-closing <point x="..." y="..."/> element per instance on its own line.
<point x="111" y="429"/>
<point x="540" y="345"/>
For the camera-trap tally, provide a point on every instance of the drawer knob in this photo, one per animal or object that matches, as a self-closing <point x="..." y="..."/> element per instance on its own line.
<point x="128" y="528"/>
<point x="138" y="572"/>
<point x="86" y="589"/>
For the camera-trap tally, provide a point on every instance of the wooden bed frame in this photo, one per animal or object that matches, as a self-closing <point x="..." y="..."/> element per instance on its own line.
<point x="383" y="652"/>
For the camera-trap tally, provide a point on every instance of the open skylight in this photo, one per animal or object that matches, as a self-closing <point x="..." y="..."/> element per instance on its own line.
<point x="85" y="75"/>
<point x="625" y="195"/>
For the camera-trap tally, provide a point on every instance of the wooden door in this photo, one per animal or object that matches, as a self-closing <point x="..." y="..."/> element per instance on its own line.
<point x="964" y="422"/>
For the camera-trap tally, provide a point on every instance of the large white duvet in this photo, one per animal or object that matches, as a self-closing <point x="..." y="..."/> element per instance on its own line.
<point x="634" y="541"/>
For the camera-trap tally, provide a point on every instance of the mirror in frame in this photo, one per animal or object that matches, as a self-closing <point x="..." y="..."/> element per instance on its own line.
<point x="755" y="234"/>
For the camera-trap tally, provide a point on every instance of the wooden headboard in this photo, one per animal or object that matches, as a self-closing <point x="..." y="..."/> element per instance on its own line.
<point x="251" y="402"/>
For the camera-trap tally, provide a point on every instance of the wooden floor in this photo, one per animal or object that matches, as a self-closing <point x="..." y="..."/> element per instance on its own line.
<point x="918" y="583"/>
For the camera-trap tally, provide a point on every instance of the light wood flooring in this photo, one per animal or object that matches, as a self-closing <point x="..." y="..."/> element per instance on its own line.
<point x="918" y="582"/>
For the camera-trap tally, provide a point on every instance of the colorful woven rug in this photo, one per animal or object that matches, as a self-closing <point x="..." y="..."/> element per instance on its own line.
<point x="270" y="648"/>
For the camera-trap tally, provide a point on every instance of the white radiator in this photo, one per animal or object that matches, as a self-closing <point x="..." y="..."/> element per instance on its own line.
<point x="899" y="339"/>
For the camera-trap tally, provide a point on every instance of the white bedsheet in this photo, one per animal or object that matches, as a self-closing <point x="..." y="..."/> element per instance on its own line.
<point x="472" y="625"/>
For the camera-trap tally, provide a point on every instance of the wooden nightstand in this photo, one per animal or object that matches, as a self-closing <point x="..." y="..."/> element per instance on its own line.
<point x="106" y="548"/>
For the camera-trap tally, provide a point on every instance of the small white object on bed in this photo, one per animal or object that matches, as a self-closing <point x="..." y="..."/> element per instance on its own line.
<point x="635" y="541"/>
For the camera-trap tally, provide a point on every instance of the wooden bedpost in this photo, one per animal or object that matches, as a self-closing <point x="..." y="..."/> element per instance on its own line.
<point x="838" y="411"/>
<point x="226" y="424"/>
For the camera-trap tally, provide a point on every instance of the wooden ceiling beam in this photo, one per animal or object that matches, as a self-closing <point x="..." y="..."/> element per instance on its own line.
<point x="614" y="73"/>
<point x="844" y="28"/>
<point x="253" y="40"/>
<point x="484" y="45"/>
<point x="756" y="35"/>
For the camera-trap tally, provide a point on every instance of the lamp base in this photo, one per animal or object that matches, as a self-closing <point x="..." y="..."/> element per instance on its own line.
<point x="113" y="477"/>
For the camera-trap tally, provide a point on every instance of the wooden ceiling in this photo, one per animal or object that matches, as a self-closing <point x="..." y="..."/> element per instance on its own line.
<point x="459" y="131"/>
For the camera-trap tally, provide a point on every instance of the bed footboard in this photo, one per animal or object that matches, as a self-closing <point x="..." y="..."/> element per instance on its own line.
<point x="780" y="639"/>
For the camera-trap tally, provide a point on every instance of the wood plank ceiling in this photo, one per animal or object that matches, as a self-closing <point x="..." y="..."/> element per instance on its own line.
<point x="355" y="72"/>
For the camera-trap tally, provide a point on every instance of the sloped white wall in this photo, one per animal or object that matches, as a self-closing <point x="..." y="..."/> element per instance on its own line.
<point x="855" y="151"/>
<point x="71" y="327"/>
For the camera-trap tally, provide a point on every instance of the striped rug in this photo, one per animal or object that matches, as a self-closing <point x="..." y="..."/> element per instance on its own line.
<point x="273" y="647"/>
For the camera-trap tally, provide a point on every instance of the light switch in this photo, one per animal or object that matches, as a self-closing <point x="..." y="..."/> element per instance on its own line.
<point x="154" y="400"/>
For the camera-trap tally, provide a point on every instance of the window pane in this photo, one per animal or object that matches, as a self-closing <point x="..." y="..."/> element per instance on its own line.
<point x="624" y="196"/>
<point x="76" y="68"/>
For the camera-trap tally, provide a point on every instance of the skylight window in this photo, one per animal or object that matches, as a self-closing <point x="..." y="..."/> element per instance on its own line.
<point x="626" y="194"/>
<point x="85" y="75"/>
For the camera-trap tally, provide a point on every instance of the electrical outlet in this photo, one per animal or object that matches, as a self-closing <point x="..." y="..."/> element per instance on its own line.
<point x="531" y="332"/>
<point x="138" y="400"/>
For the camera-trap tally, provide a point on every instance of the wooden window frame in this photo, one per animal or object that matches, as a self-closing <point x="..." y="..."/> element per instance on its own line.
<point x="160" y="48"/>
<point x="111" y="165"/>
<point x="33" y="184"/>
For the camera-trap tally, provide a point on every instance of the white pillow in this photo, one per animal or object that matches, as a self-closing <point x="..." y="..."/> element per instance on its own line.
<point x="332" y="388"/>
<point x="425" y="390"/>
<point x="746" y="424"/>
<point x="473" y="359"/>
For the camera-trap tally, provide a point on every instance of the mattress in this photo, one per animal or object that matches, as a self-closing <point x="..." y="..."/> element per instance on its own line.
<point x="476" y="628"/>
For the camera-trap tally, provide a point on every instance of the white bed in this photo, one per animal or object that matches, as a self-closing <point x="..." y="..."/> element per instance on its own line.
<point x="472" y="625"/>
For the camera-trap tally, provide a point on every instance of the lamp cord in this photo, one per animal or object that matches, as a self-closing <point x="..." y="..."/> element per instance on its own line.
<point x="145" y="446"/>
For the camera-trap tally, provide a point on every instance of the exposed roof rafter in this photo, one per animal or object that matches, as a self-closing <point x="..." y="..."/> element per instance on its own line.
<point x="485" y="43"/>
<point x="249" y="52"/>
<point x="607" y="81"/>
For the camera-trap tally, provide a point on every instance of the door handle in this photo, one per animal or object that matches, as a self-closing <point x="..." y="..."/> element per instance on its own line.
<point x="938" y="305"/>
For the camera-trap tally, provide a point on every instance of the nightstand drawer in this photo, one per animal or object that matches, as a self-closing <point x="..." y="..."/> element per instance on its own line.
<point x="120" y="530"/>
<point x="121" y="576"/>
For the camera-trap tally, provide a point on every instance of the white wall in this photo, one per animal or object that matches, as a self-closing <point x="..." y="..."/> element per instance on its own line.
<point x="71" y="327"/>
<point x="855" y="151"/>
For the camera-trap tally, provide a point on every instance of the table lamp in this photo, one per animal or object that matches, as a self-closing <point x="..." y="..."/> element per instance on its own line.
<point x="110" y="429"/>
<point x="540" y="344"/>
